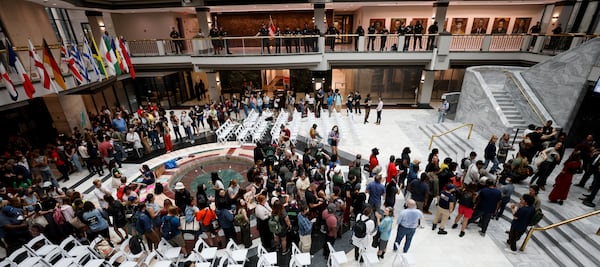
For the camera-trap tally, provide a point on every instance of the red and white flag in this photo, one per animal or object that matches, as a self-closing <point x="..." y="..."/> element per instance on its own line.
<point x="39" y="65"/>
<point x="14" y="95"/>
<point x="125" y="52"/>
<point x="13" y="61"/>
<point x="68" y="59"/>
<point x="272" y="28"/>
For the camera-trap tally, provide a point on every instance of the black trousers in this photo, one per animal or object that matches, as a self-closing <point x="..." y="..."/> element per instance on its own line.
<point x="513" y="237"/>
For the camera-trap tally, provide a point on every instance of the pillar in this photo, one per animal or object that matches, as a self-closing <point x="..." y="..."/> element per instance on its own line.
<point x="565" y="17"/>
<point x="588" y="18"/>
<point x="213" y="85"/>
<point x="67" y="112"/>
<point x="440" y="9"/>
<point x="426" y="89"/>
<point x="320" y="17"/>
<point x="96" y="21"/>
<point x="546" y="21"/>
<point x="203" y="14"/>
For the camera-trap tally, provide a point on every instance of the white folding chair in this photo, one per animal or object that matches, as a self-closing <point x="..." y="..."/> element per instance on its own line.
<point x="239" y="255"/>
<point x="205" y="251"/>
<point x="300" y="259"/>
<point x="197" y="260"/>
<point x="121" y="258"/>
<point x="24" y="257"/>
<point x="73" y="247"/>
<point x="369" y="257"/>
<point x="7" y="263"/>
<point x="40" y="245"/>
<point x="59" y="258"/>
<point x="267" y="258"/>
<point x="169" y="252"/>
<point x="229" y="261"/>
<point x="88" y="260"/>
<point x="336" y="258"/>
<point x="154" y="259"/>
<point x="130" y="256"/>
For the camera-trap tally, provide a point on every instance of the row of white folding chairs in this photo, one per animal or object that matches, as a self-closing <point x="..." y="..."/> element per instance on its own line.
<point x="251" y="119"/>
<point x="225" y="131"/>
<point x="259" y="131"/>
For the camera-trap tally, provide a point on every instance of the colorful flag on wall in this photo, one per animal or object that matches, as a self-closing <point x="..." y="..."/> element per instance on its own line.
<point x="14" y="95"/>
<point x="98" y="57"/>
<point x="272" y="28"/>
<point x="89" y="57"/>
<point x="125" y="53"/>
<point x="66" y="58"/>
<point x="13" y="61"/>
<point x="78" y="61"/>
<point x="41" y="69"/>
<point x="49" y="59"/>
<point x="114" y="47"/>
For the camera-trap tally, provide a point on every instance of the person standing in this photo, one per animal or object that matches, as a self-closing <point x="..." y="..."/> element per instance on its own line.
<point x="305" y="229"/>
<point x="522" y="215"/>
<point x="507" y="191"/>
<point x="445" y="207"/>
<point x="490" y="155"/>
<point x="331" y="221"/>
<point x="385" y="230"/>
<point x="488" y="201"/>
<point x="263" y="32"/>
<point x="362" y="241"/>
<point x="384" y="33"/>
<point x="307" y="41"/>
<point x="563" y="181"/>
<point x="167" y="137"/>
<point x="466" y="203"/>
<point x="432" y="30"/>
<point x="175" y="123"/>
<point x="186" y="122"/>
<point x="376" y="190"/>
<point x="287" y="41"/>
<point x="504" y="146"/>
<point x="333" y="139"/>
<point x="278" y="35"/>
<point x="359" y="32"/>
<point x="333" y="32"/>
<point x="443" y="110"/>
<point x="357" y="99"/>
<point x="408" y="221"/>
<point x="223" y="41"/>
<point x="379" y="109"/>
<point x="173" y="235"/>
<point x="418" y="31"/>
<point x="371" y="31"/>
<point x="368" y="104"/>
<point x="263" y="213"/>
<point x="552" y="158"/>
<point x="408" y="31"/>
<point x="177" y="43"/>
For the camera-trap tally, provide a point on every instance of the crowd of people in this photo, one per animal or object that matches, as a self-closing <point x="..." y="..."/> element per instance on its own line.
<point x="293" y="197"/>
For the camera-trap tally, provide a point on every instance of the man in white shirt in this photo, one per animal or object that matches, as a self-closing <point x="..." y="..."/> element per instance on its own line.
<point x="186" y="121"/>
<point x="362" y="243"/>
<point x="442" y="110"/>
<point x="379" y="109"/>
<point x="473" y="174"/>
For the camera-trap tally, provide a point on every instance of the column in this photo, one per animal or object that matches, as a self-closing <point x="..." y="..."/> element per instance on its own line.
<point x="97" y="24"/>
<point x="213" y="85"/>
<point x="426" y="89"/>
<point x="546" y="20"/>
<point x="320" y="17"/>
<point x="67" y="112"/>
<point x="564" y="18"/>
<point x="202" y="46"/>
<point x="440" y="9"/>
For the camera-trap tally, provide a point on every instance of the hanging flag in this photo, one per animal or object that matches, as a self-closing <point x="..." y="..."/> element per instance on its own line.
<point x="41" y="69"/>
<point x="49" y="59"/>
<point x="110" y="64"/>
<point x="66" y="58"/>
<point x="78" y="61"/>
<point x="89" y="57"/>
<point x="271" y="27"/>
<point x="98" y="58"/>
<point x="14" y="95"/>
<point x="127" y="57"/>
<point x="114" y="47"/>
<point x="14" y="62"/>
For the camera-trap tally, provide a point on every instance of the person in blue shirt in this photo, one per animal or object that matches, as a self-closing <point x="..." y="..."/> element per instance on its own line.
<point x="385" y="230"/>
<point x="95" y="220"/>
<point x="375" y="190"/>
<point x="304" y="230"/>
<point x="119" y="123"/>
<point x="521" y="217"/>
<point x="177" y="239"/>
<point x="489" y="199"/>
<point x="330" y="104"/>
<point x="408" y="221"/>
<point x="148" y="175"/>
<point x="143" y="225"/>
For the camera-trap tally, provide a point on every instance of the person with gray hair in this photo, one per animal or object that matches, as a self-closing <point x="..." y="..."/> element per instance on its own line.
<point x="330" y="222"/>
<point x="408" y="221"/>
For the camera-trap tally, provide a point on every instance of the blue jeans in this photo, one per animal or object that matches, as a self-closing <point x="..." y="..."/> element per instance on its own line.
<point x="188" y="132"/>
<point x="494" y="167"/>
<point x="441" y="116"/>
<point x="402" y="231"/>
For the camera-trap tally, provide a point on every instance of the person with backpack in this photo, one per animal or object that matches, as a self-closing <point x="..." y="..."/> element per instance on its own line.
<point x="522" y="215"/>
<point x="408" y="221"/>
<point x="205" y="216"/>
<point x="280" y="225"/>
<point x="143" y="226"/>
<point x="117" y="211"/>
<point x="96" y="221"/>
<point x="170" y="230"/>
<point x="361" y="233"/>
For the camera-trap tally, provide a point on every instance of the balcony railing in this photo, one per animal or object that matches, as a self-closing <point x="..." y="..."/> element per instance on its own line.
<point x="390" y="43"/>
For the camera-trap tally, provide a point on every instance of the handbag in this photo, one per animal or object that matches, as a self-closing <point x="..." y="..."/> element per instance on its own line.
<point x="376" y="238"/>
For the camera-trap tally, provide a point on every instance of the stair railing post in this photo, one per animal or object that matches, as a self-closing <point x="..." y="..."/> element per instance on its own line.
<point x="529" y="234"/>
<point x="470" y="131"/>
<point x="431" y="141"/>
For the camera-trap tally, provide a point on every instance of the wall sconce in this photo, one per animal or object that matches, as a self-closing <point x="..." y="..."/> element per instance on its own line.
<point x="433" y="17"/>
<point x="555" y="17"/>
<point x="102" y="27"/>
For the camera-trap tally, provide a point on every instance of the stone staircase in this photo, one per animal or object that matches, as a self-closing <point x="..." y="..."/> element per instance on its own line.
<point x="455" y="144"/>
<point x="573" y="244"/>
<point x="510" y="111"/>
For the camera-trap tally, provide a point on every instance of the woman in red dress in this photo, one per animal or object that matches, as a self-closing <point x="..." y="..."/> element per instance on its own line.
<point x="562" y="183"/>
<point x="167" y="137"/>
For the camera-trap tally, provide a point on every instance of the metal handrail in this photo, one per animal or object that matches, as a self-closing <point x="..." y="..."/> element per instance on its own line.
<point x="548" y="227"/>
<point x="452" y="130"/>
<point x="527" y="98"/>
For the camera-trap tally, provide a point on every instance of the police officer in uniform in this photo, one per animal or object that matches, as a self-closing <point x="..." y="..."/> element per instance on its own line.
<point x="288" y="40"/>
<point x="264" y="42"/>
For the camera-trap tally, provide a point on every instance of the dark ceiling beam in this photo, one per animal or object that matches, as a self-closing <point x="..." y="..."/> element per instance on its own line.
<point x="115" y="5"/>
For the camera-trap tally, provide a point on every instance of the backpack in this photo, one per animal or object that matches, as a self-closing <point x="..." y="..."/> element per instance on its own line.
<point x="537" y="217"/>
<point x="360" y="228"/>
<point x="338" y="179"/>
<point x="201" y="200"/>
<point x="274" y="225"/>
<point x="462" y="163"/>
<point x="58" y="216"/>
<point x="135" y="245"/>
<point x="166" y="228"/>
